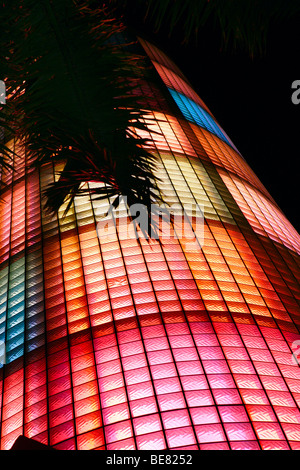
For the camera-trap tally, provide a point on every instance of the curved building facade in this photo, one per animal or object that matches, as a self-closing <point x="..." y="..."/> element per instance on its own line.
<point x="111" y="341"/>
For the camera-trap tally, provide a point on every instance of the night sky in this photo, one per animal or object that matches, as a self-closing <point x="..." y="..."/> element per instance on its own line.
<point x="251" y="99"/>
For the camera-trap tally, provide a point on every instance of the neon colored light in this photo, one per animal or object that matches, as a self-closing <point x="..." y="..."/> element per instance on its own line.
<point x="195" y="113"/>
<point x="117" y="343"/>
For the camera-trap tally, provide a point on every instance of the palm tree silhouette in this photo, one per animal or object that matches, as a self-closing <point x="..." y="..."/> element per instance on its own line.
<point x="72" y="84"/>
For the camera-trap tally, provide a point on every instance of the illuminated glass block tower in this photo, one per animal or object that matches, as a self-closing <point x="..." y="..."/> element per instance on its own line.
<point x="121" y="343"/>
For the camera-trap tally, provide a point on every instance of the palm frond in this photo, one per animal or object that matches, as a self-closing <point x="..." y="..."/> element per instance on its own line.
<point x="73" y="99"/>
<point x="240" y="24"/>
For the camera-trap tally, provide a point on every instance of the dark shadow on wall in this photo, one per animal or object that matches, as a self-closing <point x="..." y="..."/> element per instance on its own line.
<point x="25" y="443"/>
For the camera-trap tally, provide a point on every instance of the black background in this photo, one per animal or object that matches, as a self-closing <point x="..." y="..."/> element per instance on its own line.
<point x="250" y="98"/>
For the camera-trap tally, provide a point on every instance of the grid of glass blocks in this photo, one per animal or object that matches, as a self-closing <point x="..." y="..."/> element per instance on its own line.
<point x="117" y="342"/>
<point x="195" y="113"/>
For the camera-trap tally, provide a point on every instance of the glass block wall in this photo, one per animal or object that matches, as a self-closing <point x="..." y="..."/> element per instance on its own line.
<point x="115" y="342"/>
